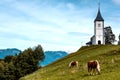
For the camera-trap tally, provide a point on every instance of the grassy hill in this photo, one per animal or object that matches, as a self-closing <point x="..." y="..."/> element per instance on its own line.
<point x="107" y="55"/>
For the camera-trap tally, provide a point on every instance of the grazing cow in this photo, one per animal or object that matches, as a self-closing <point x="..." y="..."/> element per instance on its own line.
<point x="73" y="64"/>
<point x="93" y="66"/>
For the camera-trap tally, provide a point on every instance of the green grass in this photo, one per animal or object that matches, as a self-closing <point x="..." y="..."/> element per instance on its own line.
<point x="107" y="55"/>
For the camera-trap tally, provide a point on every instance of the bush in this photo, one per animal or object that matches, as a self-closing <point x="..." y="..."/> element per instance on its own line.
<point x="14" y="67"/>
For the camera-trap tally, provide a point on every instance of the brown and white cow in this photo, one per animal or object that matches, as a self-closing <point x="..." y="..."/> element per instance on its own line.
<point x="73" y="64"/>
<point x="93" y="66"/>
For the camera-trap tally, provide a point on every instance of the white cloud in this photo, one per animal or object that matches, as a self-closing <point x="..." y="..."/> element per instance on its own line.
<point x="117" y="1"/>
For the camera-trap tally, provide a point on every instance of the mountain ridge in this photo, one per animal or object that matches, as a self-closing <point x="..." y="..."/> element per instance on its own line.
<point x="50" y="56"/>
<point x="8" y="51"/>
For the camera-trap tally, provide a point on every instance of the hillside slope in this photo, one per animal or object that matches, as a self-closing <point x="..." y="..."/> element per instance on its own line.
<point x="107" y="55"/>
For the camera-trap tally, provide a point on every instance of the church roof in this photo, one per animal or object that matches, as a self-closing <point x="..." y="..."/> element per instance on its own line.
<point x="99" y="17"/>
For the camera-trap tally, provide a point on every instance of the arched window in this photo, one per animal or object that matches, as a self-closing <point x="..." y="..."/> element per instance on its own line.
<point x="99" y="42"/>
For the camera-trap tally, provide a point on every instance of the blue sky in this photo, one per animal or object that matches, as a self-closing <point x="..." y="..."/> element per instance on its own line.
<point x="55" y="24"/>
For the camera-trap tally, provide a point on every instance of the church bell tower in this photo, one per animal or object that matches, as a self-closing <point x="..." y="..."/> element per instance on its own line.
<point x="99" y="29"/>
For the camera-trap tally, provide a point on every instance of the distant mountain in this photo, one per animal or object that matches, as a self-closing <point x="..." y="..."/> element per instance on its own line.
<point x="51" y="56"/>
<point x="9" y="51"/>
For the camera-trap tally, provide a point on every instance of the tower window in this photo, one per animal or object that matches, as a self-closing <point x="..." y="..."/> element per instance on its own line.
<point x="99" y="25"/>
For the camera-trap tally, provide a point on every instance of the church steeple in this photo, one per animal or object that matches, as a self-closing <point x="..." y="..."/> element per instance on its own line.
<point x="99" y="17"/>
<point x="98" y="37"/>
<point x="98" y="29"/>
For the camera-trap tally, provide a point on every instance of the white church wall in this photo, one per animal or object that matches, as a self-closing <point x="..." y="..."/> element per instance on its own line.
<point x="99" y="32"/>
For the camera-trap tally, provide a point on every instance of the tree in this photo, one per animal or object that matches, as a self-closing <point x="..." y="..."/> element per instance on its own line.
<point x="8" y="58"/>
<point x="28" y="61"/>
<point x="39" y="53"/>
<point x="109" y="36"/>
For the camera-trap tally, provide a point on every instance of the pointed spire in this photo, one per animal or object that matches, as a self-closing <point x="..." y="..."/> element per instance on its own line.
<point x="99" y="5"/>
<point x="99" y="17"/>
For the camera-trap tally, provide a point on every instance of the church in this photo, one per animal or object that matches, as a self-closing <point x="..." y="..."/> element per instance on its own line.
<point x="98" y="37"/>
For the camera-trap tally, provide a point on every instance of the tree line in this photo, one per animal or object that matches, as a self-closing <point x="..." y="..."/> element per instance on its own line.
<point x="26" y="62"/>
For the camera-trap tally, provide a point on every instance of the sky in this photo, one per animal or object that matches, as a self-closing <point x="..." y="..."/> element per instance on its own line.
<point x="54" y="24"/>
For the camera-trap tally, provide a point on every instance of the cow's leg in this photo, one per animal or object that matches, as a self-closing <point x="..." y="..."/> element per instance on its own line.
<point x="90" y="71"/>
